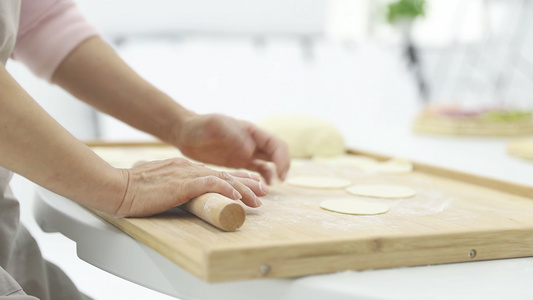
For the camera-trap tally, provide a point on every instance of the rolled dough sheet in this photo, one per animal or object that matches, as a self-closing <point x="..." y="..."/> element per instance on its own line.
<point x="319" y="182"/>
<point x="353" y="207"/>
<point x="381" y="191"/>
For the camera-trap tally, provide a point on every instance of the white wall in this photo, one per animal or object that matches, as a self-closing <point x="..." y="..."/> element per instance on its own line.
<point x="344" y="85"/>
<point x="126" y="17"/>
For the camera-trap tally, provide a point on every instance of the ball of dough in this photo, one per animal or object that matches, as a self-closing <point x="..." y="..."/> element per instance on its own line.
<point x="306" y="136"/>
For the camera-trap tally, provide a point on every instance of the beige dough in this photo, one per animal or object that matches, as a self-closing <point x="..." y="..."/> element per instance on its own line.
<point x="319" y="182"/>
<point x="381" y="191"/>
<point x="353" y="207"/>
<point x="394" y="166"/>
<point x="306" y="136"/>
<point x="368" y="164"/>
<point x="349" y="161"/>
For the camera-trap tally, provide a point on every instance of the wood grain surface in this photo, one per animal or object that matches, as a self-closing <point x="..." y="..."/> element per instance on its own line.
<point x="455" y="217"/>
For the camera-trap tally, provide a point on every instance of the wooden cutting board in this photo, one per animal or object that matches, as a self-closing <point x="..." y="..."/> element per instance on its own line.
<point x="454" y="217"/>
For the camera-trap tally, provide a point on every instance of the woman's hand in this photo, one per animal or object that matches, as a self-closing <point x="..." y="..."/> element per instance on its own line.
<point x="157" y="186"/>
<point x="221" y="140"/>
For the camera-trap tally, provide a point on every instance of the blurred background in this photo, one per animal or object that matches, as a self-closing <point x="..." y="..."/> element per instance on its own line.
<point x="251" y="59"/>
<point x="350" y="62"/>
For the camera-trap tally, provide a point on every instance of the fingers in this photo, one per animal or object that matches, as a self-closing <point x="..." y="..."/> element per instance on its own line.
<point x="247" y="186"/>
<point x="270" y="148"/>
<point x="267" y="170"/>
<point x="238" y="185"/>
<point x="201" y="185"/>
<point x="243" y="174"/>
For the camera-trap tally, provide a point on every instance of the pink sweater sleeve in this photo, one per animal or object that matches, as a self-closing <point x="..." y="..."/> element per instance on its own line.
<point x="48" y="31"/>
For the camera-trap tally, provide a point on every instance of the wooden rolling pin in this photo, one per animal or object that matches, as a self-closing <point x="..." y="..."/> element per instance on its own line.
<point x="217" y="210"/>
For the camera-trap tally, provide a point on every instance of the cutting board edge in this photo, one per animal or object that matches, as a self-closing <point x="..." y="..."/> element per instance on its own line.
<point x="449" y="248"/>
<point x="197" y="267"/>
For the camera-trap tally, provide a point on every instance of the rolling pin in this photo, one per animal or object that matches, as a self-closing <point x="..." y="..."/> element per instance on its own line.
<point x="217" y="210"/>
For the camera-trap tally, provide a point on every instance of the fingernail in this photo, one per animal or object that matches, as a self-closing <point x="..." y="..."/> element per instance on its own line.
<point x="236" y="195"/>
<point x="258" y="202"/>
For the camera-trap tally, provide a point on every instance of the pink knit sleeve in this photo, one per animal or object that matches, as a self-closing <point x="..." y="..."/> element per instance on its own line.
<point x="48" y="31"/>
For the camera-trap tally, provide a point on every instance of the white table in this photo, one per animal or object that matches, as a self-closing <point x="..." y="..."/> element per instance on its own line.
<point x="108" y="248"/>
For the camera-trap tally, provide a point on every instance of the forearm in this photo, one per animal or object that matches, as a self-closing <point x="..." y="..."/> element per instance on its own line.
<point x="111" y="86"/>
<point x="94" y="73"/>
<point x="35" y="146"/>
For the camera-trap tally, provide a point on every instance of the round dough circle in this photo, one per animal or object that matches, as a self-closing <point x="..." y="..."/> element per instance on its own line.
<point x="381" y="191"/>
<point x="319" y="182"/>
<point x="353" y="207"/>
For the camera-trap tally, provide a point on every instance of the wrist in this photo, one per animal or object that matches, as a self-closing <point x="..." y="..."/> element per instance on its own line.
<point x="178" y="126"/>
<point x="124" y="185"/>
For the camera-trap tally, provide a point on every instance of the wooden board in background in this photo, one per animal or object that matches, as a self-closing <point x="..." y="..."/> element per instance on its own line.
<point x="431" y="124"/>
<point x="455" y="217"/>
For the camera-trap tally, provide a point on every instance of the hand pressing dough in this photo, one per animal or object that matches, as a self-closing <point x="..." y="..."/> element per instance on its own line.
<point x="381" y="191"/>
<point x="319" y="182"/>
<point x="306" y="136"/>
<point x="353" y="207"/>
